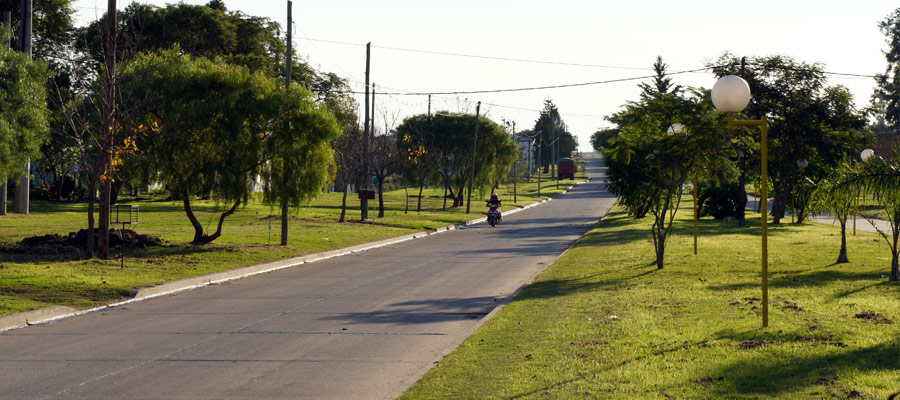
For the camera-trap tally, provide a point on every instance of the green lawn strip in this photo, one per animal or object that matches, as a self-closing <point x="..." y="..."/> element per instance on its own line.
<point x="250" y="236"/>
<point x="603" y="322"/>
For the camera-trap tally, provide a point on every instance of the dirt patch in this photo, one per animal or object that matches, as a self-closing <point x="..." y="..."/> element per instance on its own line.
<point x="117" y="237"/>
<point x="787" y="305"/>
<point x="873" y="317"/>
<point x="752" y="344"/>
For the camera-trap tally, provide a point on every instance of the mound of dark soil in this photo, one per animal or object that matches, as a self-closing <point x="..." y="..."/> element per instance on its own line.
<point x="130" y="238"/>
<point x="873" y="317"/>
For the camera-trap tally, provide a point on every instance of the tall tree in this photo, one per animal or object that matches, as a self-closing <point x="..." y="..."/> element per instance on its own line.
<point x="298" y="152"/>
<point x="213" y="120"/>
<point x="888" y="84"/>
<point x="807" y="120"/>
<point x="451" y="145"/>
<point x="23" y="109"/>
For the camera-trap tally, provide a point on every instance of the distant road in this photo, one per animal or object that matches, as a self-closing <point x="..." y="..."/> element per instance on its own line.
<point x="363" y="326"/>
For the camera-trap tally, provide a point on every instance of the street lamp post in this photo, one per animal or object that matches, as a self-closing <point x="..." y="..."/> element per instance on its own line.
<point x="731" y="94"/>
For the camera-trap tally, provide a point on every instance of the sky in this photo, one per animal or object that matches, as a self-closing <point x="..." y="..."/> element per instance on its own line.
<point x="609" y="40"/>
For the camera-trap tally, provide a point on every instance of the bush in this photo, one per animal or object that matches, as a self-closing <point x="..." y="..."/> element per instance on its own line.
<point x="719" y="201"/>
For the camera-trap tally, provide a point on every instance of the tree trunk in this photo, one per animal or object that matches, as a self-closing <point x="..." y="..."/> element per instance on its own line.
<point x="198" y="228"/>
<point x="742" y="192"/>
<point x="419" y="205"/>
<point x="89" y="246"/>
<point x="344" y="203"/>
<point x="895" y="267"/>
<point x="285" y="216"/>
<point x="842" y="257"/>
<point x="103" y="240"/>
<point x="660" y="252"/>
<point x="199" y="237"/>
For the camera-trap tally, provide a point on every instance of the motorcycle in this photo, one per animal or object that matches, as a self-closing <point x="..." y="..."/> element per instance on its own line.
<point x="493" y="216"/>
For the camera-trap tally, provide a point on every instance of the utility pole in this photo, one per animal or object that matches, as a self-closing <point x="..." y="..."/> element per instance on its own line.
<point x="429" y="106"/>
<point x="516" y="163"/>
<point x="109" y="119"/>
<point x="7" y="25"/>
<point x="288" y="60"/>
<point x="363" y="202"/>
<point x="21" y="204"/>
<point x="540" y="160"/>
<point x="474" y="147"/>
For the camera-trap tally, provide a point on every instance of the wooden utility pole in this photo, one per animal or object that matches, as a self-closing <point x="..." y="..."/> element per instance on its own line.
<point x="364" y="202"/>
<point x="288" y="60"/>
<point x="474" y="148"/>
<point x="109" y="128"/>
<point x="7" y="24"/>
<point x="21" y="203"/>
<point x="516" y="163"/>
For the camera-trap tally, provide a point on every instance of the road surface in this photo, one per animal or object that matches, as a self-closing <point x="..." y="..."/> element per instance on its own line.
<point x="362" y="326"/>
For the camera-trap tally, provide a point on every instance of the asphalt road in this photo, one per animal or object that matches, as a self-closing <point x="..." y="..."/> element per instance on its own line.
<point x="362" y="326"/>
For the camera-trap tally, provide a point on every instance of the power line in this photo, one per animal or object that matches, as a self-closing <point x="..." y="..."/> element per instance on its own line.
<point x="442" y="53"/>
<point x="524" y="89"/>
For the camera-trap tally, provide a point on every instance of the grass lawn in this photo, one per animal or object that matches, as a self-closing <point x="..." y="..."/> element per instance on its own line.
<point x="603" y="322"/>
<point x="29" y="281"/>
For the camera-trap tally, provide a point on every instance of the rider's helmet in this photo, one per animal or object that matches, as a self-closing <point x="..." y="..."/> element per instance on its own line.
<point x="494" y="196"/>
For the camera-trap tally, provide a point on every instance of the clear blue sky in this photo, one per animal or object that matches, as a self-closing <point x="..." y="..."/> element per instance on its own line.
<point x="630" y="34"/>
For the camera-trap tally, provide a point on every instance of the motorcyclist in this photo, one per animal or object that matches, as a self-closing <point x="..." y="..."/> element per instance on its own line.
<point x="495" y="200"/>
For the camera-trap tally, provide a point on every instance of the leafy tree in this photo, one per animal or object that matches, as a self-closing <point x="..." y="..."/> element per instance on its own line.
<point x="552" y="130"/>
<point x="52" y="26"/>
<point x="600" y="138"/>
<point x="661" y="162"/>
<point x="212" y="120"/>
<point x="452" y="149"/>
<point x="807" y="118"/>
<point x="888" y="84"/>
<point x="838" y="201"/>
<point x="23" y="109"/>
<point x="298" y="152"/>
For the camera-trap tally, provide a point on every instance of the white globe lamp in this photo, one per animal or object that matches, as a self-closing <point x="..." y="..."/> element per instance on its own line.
<point x="731" y="94"/>
<point x="866" y="154"/>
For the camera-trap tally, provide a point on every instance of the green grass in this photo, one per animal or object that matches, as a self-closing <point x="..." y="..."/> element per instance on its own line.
<point x="30" y="281"/>
<point x="603" y="322"/>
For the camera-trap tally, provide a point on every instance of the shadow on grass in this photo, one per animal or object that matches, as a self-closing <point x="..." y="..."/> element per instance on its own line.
<point x="817" y="278"/>
<point x="759" y="374"/>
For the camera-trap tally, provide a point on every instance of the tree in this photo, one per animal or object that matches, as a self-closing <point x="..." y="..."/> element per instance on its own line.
<point x="451" y="145"/>
<point x="298" y="153"/>
<point x="348" y="157"/>
<point x="807" y="120"/>
<point x="553" y="132"/>
<point x="888" y="84"/>
<point x="838" y="201"/>
<point x="659" y="162"/>
<point x="212" y="121"/>
<point x="880" y="178"/>
<point x="601" y="137"/>
<point x="23" y="109"/>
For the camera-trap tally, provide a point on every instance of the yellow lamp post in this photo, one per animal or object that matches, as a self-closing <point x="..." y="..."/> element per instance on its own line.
<point x="674" y="129"/>
<point x="731" y="94"/>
